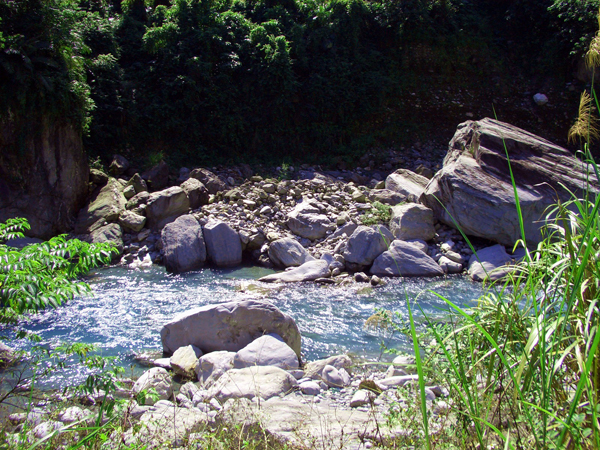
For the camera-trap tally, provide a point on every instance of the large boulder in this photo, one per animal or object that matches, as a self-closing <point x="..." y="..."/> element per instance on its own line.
<point x="405" y="260"/>
<point x="306" y="221"/>
<point x="366" y="244"/>
<point x="106" y="206"/>
<point x="229" y="326"/>
<point x="268" y="350"/>
<point x="223" y="245"/>
<point x="250" y="382"/>
<point x="131" y="221"/>
<point x="157" y="177"/>
<point x="406" y="183"/>
<point x="288" y="252"/>
<point x="183" y="245"/>
<point x="165" y="206"/>
<point x="474" y="186"/>
<point x="212" y="182"/>
<point x="43" y="174"/>
<point x="309" y="271"/>
<point x="412" y="221"/>
<point x="185" y="360"/>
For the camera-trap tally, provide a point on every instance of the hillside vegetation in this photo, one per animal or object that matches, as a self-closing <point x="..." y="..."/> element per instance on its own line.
<point x="207" y="81"/>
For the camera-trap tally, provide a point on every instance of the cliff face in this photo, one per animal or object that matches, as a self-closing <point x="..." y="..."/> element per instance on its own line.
<point x="43" y="175"/>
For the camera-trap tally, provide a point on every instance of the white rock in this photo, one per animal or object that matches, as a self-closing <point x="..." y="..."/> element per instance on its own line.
<point x="185" y="360"/>
<point x="156" y="378"/>
<point x="268" y="350"/>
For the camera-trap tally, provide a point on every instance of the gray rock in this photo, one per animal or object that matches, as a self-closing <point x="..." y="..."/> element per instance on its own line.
<point x="189" y="390"/>
<point x="185" y="360"/>
<point x="268" y="350"/>
<point x="131" y="221"/>
<point x="138" y="183"/>
<point x="110" y="233"/>
<point x="212" y="182"/>
<point x="419" y="243"/>
<point x="165" y="206"/>
<point x="314" y="369"/>
<point x="306" y="221"/>
<point x="406" y="260"/>
<point x="449" y="266"/>
<point x="475" y="187"/>
<point x="73" y="414"/>
<point x="196" y="192"/>
<point x="412" y="221"/>
<point x="335" y="377"/>
<point x="397" y="381"/>
<point x="138" y="200"/>
<point x="98" y="177"/>
<point x="362" y="397"/>
<point x="308" y="271"/>
<point x="406" y="363"/>
<point x="366" y="244"/>
<point x="7" y="355"/>
<point x="212" y="365"/>
<point x="288" y="252"/>
<point x="309" y="388"/>
<point x="45" y="429"/>
<point x="229" y="326"/>
<point x="223" y="245"/>
<point x="158" y="379"/>
<point x="183" y="245"/>
<point x="386" y="196"/>
<point x="490" y="264"/>
<point x="406" y="182"/>
<point x="106" y="206"/>
<point x="258" y="381"/>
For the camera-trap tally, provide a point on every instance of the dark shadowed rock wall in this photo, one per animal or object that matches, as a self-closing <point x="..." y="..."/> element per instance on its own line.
<point x="43" y="175"/>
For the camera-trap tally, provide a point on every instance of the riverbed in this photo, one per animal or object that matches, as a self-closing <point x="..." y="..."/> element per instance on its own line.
<point x="129" y="307"/>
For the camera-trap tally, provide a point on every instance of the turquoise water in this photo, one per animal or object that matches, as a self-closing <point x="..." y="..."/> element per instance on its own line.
<point x="129" y="307"/>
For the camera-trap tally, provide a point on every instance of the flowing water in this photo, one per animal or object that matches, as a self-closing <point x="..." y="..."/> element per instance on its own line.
<point x="129" y="307"/>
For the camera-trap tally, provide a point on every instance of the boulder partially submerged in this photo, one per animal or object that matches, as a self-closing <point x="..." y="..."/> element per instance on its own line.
<point x="229" y="326"/>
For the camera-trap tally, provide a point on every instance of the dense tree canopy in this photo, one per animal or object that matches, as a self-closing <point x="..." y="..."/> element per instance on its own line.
<point x="221" y="80"/>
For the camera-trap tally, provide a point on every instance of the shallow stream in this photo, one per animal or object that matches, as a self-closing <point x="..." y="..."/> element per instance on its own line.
<point x="129" y="307"/>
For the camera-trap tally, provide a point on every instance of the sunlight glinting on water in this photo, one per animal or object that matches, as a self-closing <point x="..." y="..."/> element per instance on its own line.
<point x="130" y="307"/>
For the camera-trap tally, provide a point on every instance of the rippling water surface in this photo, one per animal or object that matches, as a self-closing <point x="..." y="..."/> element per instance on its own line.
<point x="129" y="307"/>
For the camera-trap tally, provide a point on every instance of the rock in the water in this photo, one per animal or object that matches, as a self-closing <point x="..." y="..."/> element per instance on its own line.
<point x="223" y="245"/>
<point x="106" y="206"/>
<point x="158" y="379"/>
<point x="258" y="381"/>
<point x="212" y="365"/>
<point x="308" y="271"/>
<point x="185" y="360"/>
<point x="366" y="244"/>
<point x="196" y="192"/>
<point x="183" y="245"/>
<point x="475" y="185"/>
<point x="288" y="252"/>
<point x="212" y="182"/>
<point x="268" y="350"/>
<point x="306" y="221"/>
<point x="491" y="263"/>
<point x="412" y="221"/>
<point x="406" y="183"/>
<point x="229" y="326"/>
<point x="165" y="206"/>
<point x="405" y="260"/>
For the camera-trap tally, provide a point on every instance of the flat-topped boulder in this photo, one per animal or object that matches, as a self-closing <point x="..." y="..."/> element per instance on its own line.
<point x="165" y="206"/>
<point x="406" y="182"/>
<point x="309" y="271"/>
<point x="250" y="382"/>
<point x="229" y="326"/>
<point x="474" y="186"/>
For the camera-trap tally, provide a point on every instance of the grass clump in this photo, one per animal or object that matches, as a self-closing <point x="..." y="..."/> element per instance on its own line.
<point x="379" y="213"/>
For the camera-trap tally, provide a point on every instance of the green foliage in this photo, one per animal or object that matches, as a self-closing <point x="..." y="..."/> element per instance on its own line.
<point x="42" y="275"/>
<point x="379" y="213"/>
